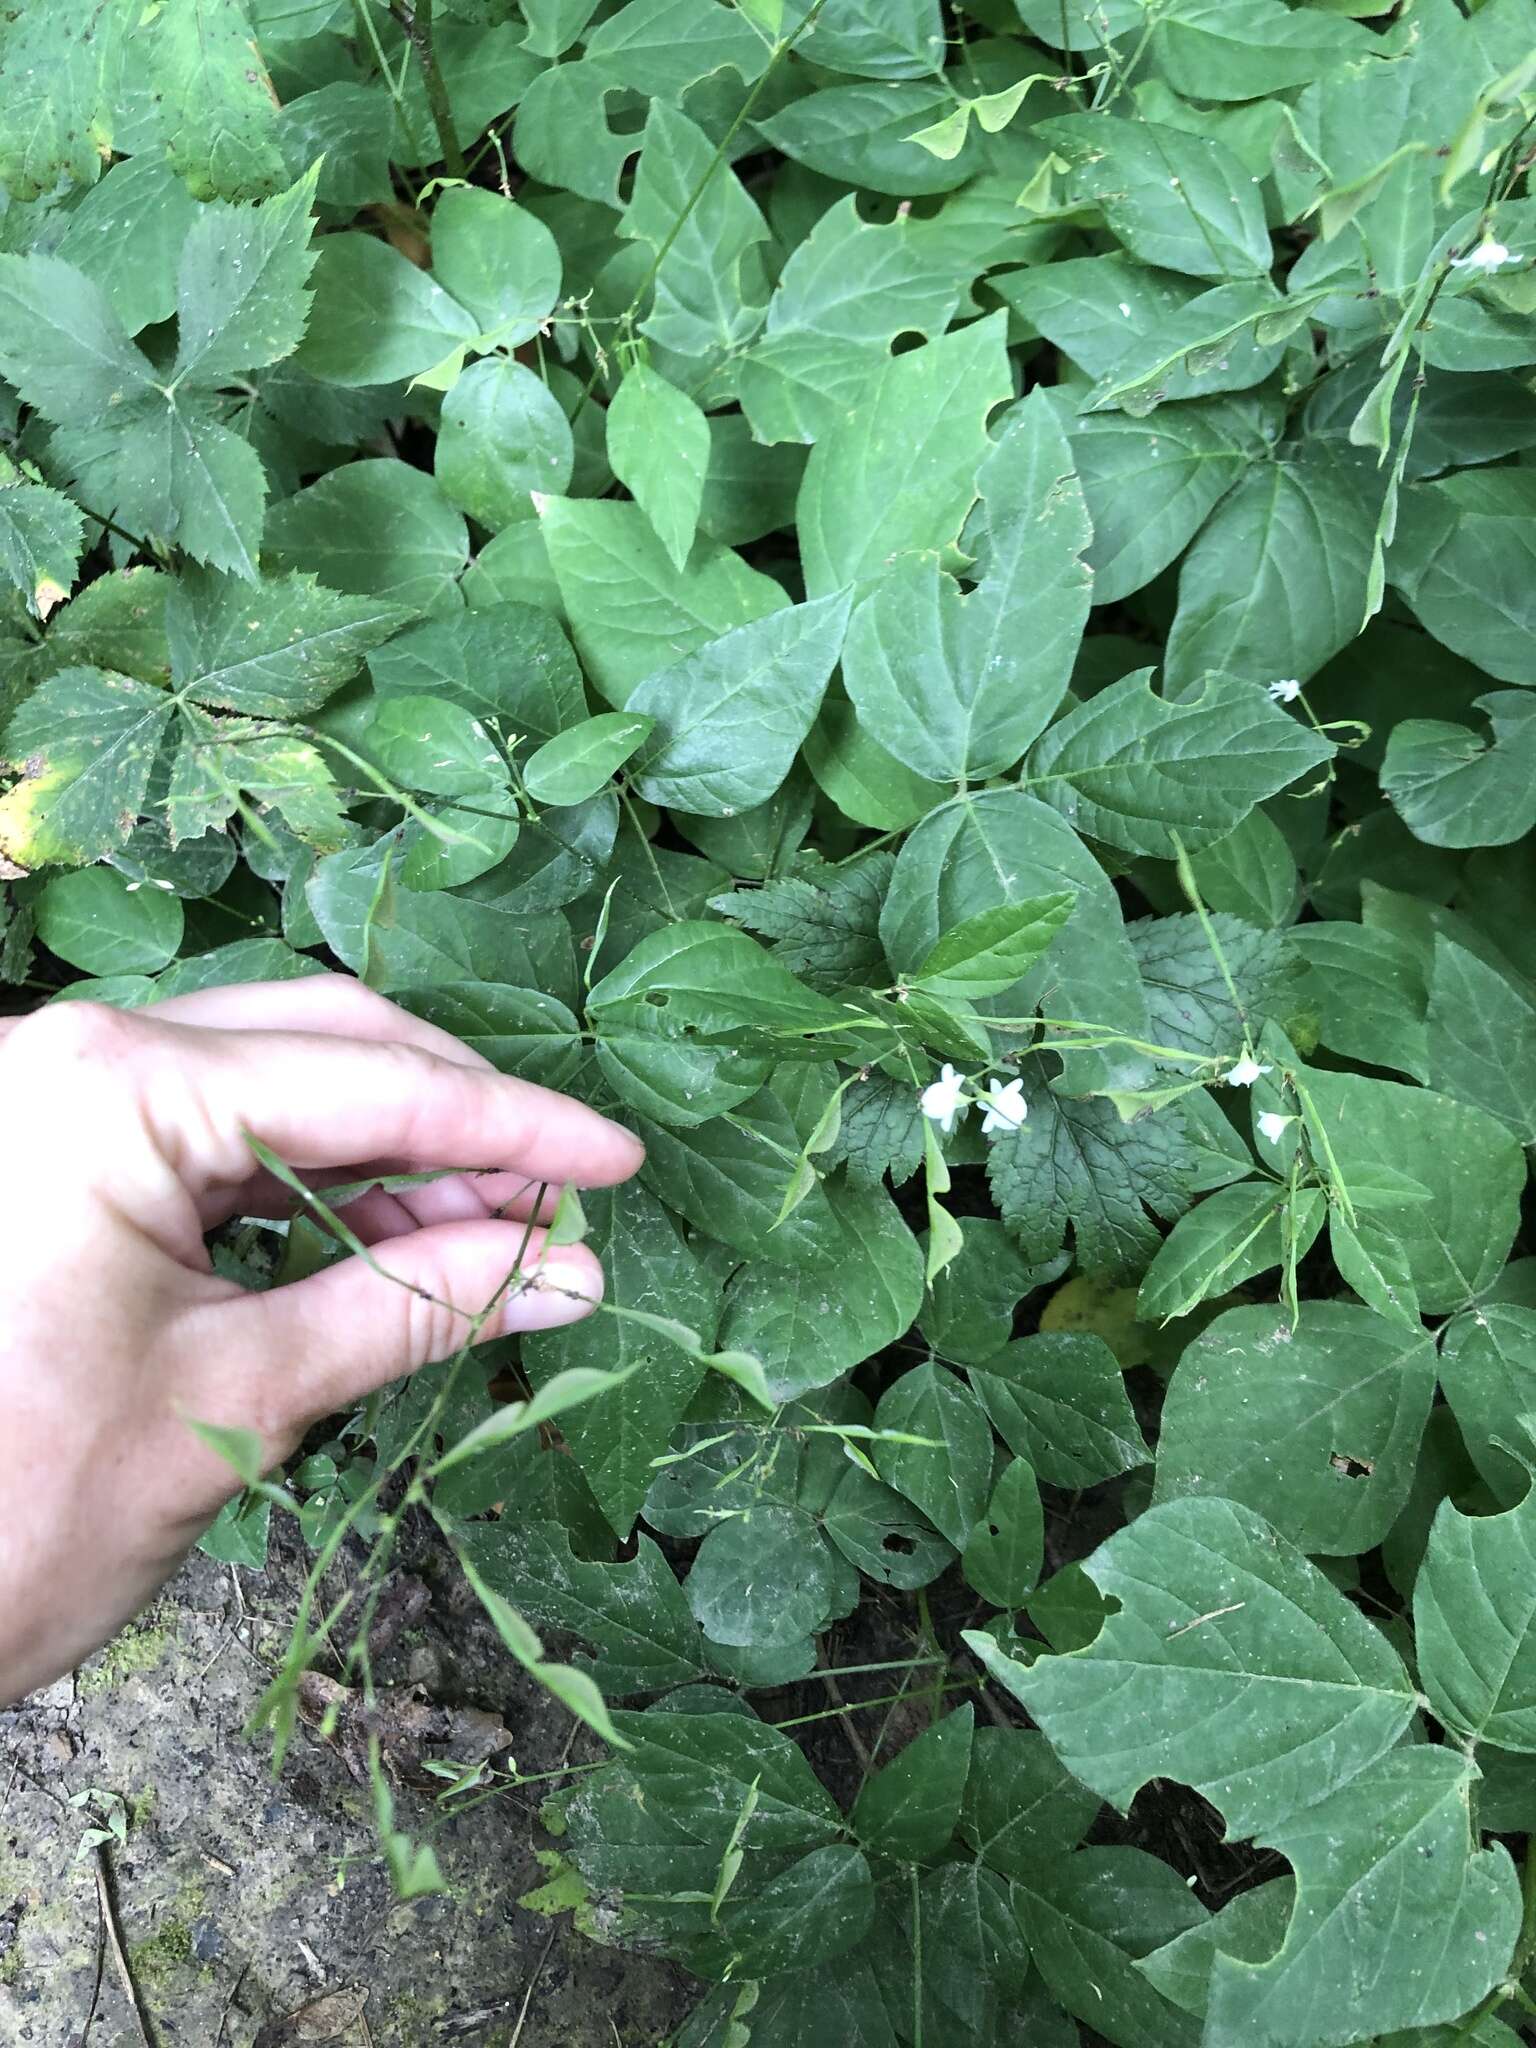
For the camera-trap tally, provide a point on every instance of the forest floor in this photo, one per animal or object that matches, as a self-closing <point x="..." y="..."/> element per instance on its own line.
<point x="248" y="1912"/>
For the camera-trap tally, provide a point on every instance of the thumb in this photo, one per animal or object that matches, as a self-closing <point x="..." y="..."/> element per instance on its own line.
<point x="301" y="1352"/>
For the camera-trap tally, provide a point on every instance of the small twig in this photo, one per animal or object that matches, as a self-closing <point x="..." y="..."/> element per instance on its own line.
<point x="416" y="25"/>
<point x="855" y="1740"/>
<point x="538" y="1971"/>
<point x="115" y="1943"/>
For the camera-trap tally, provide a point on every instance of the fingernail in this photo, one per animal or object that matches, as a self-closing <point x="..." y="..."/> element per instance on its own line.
<point x="558" y="1291"/>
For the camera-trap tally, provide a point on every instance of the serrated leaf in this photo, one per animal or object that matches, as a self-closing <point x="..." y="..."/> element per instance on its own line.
<point x="1074" y="1165"/>
<point x="216" y="101"/>
<point x="83" y="745"/>
<point x="275" y="651"/>
<point x="241" y="297"/>
<point x="58" y="65"/>
<point x="41" y="534"/>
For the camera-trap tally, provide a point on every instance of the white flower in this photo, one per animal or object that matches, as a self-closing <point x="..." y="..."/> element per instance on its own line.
<point x="1286" y="691"/>
<point x="1273" y="1126"/>
<point x="1487" y="256"/>
<point x="944" y="1099"/>
<point x="1005" y="1106"/>
<point x="1244" y="1072"/>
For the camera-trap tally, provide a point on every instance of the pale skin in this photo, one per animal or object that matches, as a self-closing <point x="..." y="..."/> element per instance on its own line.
<point x="126" y="1139"/>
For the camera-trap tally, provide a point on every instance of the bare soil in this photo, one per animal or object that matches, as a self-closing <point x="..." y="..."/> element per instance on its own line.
<point x="256" y="1913"/>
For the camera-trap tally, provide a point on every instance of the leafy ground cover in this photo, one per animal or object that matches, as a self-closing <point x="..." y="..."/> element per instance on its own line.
<point x="934" y="607"/>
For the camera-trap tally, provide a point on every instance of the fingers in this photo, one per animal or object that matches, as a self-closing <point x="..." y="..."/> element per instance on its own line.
<point x="304" y="1351"/>
<point x="334" y="1004"/>
<point x="317" y="1100"/>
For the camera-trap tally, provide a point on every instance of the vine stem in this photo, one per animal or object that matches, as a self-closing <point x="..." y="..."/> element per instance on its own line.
<point x="416" y="22"/>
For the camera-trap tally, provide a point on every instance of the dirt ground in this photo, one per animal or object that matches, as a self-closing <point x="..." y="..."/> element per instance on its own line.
<point x="252" y="1913"/>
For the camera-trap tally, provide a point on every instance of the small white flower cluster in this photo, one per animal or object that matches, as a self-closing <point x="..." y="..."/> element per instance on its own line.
<point x="1242" y="1073"/>
<point x="1286" y="691"/>
<point x="946" y="1101"/>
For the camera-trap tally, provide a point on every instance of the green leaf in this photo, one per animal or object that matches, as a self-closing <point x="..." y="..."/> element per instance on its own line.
<point x="1488" y="1372"/>
<point x="98" y="921"/>
<point x="1140" y="771"/>
<point x="1276" y="583"/>
<point x="62" y="344"/>
<point x="631" y="611"/>
<point x="810" y="1324"/>
<point x="1006" y="1548"/>
<point x="1454" y="1243"/>
<point x="1463" y="557"/>
<point x="1231" y="1236"/>
<point x="897" y="474"/>
<point x="83" y="744"/>
<point x="1369" y="989"/>
<point x="862" y="135"/>
<point x="378" y="529"/>
<point x="948" y="1476"/>
<point x="1231" y="1665"/>
<point x="633" y="1615"/>
<point x="616" y="1438"/>
<point x="659" y="445"/>
<point x="377" y="318"/>
<point x="1150" y="485"/>
<point x="1023" y="1812"/>
<point x="881" y="1532"/>
<point x="701" y="226"/>
<point x="958" y="687"/>
<point x="1058" y="1399"/>
<point x="993" y="950"/>
<point x="1249" y="1927"/>
<point x="865" y="782"/>
<point x="1451" y="787"/>
<point x="507" y="663"/>
<point x="1189" y="1004"/>
<point x="58" y="67"/>
<point x="1003" y="847"/>
<point x="127" y="234"/>
<point x="434" y="746"/>
<point x="825" y="929"/>
<point x="730" y="717"/>
<point x="1089" y="1921"/>
<point x="499" y="261"/>
<point x="1481" y="1038"/>
<point x="241" y="301"/>
<point x="503" y="436"/>
<point x="820" y="1907"/>
<point x="762" y="1579"/>
<point x="1182" y="201"/>
<point x="41" y="536"/>
<point x="1325" y="1449"/>
<point x="520" y="1031"/>
<point x="276" y="651"/>
<point x="910" y="1807"/>
<point x="727" y="1176"/>
<point x="576" y="764"/>
<point x="844" y="295"/>
<point x="215" y="100"/>
<point x="1473" y="1609"/>
<point x="1400" y="1921"/>
<point x="1075" y="1165"/>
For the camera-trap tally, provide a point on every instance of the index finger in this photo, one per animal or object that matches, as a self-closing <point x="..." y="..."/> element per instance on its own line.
<point x="320" y="1101"/>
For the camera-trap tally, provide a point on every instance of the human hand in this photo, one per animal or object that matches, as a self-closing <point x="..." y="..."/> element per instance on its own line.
<point x="126" y="1140"/>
